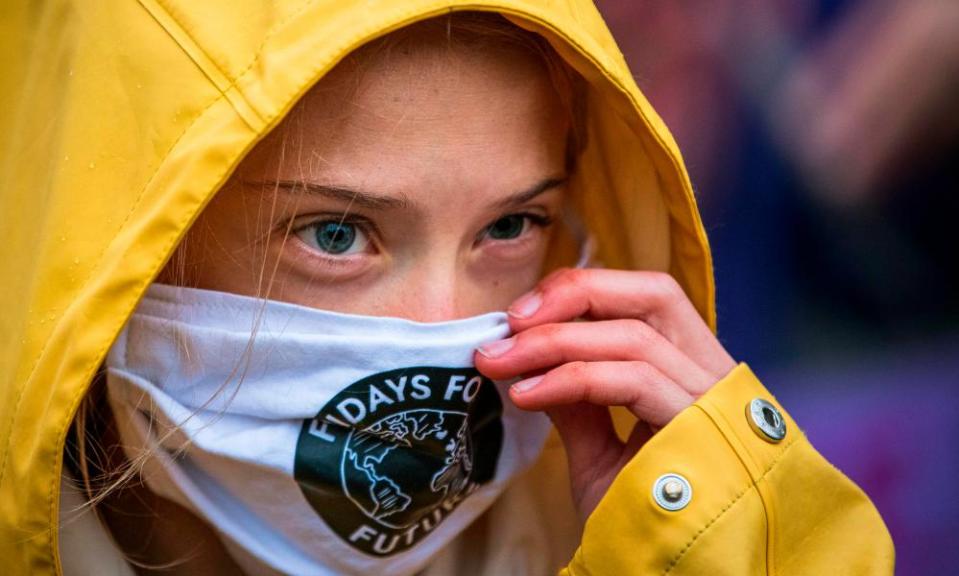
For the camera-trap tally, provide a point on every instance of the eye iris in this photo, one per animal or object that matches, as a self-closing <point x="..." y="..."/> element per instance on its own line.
<point x="507" y="227"/>
<point x="334" y="237"/>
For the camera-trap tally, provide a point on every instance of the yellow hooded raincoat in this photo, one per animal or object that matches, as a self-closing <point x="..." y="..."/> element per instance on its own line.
<point x="120" y="120"/>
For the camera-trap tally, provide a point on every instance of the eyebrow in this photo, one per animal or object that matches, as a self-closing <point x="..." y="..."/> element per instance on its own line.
<point x="527" y="195"/>
<point x="378" y="202"/>
<point x="364" y="199"/>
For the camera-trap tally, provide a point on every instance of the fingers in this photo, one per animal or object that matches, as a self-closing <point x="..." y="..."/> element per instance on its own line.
<point x="637" y="385"/>
<point x="548" y="345"/>
<point x="599" y="294"/>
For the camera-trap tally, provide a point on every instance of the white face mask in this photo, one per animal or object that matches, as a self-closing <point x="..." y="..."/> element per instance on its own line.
<point x="329" y="443"/>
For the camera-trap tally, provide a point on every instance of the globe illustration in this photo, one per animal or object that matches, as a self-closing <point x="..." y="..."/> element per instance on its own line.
<point x="400" y="468"/>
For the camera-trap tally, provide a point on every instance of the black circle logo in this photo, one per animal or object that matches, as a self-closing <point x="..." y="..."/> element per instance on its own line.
<point x="392" y="455"/>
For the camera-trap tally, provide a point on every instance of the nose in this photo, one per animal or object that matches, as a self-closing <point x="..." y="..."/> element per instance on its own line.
<point x="431" y="293"/>
<point x="433" y="302"/>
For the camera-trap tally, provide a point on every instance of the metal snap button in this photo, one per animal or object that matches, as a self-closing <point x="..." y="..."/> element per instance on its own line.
<point x="672" y="492"/>
<point x="766" y="420"/>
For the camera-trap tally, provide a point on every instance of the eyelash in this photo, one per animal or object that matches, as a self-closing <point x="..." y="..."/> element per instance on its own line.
<point x="538" y="220"/>
<point x="370" y="231"/>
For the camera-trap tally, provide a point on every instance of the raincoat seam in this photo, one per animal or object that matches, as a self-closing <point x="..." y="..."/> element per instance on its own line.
<point x="766" y="497"/>
<point x="728" y="430"/>
<point x="187" y="32"/>
<point x="232" y="81"/>
<point x="742" y="458"/>
<point x="61" y="437"/>
<point x="221" y="96"/>
<point x="603" y="69"/>
<point x="76" y="399"/>
<point x="698" y="231"/>
<point x="136" y="203"/>
<point x="403" y="18"/>
<point x="74" y="402"/>
<point x="685" y="184"/>
<point x="259" y="49"/>
<point x="729" y="505"/>
<point x="258" y="53"/>
<point x="366" y="35"/>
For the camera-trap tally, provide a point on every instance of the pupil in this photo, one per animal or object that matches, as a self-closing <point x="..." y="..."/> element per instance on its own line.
<point x="507" y="227"/>
<point x="334" y="237"/>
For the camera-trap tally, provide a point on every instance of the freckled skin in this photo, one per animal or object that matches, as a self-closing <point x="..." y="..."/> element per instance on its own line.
<point x="449" y="130"/>
<point x="450" y="133"/>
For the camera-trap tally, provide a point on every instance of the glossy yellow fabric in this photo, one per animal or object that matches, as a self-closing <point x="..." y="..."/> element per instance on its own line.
<point x="757" y="507"/>
<point x="120" y="120"/>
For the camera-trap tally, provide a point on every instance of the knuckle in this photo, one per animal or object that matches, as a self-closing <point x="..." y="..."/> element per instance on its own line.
<point x="637" y="330"/>
<point x="644" y="375"/>
<point x="537" y="341"/>
<point x="577" y="370"/>
<point x="585" y="385"/>
<point x="642" y="371"/>
<point x="587" y="392"/>
<point x="526" y="343"/>
<point x="638" y="334"/>
<point x="577" y="275"/>
<point x="570" y="285"/>
<point x="552" y="279"/>
<point x="551" y="334"/>
<point x="573" y="379"/>
<point x="575" y="278"/>
<point x="668" y="291"/>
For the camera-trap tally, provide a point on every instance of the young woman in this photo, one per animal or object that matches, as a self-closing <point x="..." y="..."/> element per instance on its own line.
<point x="302" y="288"/>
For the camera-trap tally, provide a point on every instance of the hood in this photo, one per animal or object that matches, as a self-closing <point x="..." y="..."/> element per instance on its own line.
<point x="121" y="120"/>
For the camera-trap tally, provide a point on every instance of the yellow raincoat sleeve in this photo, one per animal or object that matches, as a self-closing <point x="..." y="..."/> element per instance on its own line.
<point x="757" y="507"/>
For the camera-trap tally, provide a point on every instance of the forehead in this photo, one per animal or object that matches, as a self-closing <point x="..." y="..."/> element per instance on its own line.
<point x="422" y="111"/>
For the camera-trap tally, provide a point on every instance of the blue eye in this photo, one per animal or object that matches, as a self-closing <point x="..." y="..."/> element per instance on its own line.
<point x="508" y="227"/>
<point x="334" y="237"/>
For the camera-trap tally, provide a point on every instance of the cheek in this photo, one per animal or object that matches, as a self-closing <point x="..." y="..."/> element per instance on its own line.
<point x="422" y="293"/>
<point x="467" y="297"/>
<point x="496" y="290"/>
<point x="222" y="250"/>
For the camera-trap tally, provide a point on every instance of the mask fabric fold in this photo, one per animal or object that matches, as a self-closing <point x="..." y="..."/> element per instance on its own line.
<point x="317" y="442"/>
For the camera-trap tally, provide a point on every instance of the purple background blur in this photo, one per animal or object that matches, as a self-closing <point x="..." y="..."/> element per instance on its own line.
<point x="822" y="138"/>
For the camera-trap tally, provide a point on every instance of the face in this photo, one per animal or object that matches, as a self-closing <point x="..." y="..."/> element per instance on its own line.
<point x="424" y="184"/>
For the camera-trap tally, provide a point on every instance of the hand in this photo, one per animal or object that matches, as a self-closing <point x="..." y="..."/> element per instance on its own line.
<point x="644" y="347"/>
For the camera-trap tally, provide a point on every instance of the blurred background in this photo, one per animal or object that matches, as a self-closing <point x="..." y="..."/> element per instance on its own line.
<point x="822" y="138"/>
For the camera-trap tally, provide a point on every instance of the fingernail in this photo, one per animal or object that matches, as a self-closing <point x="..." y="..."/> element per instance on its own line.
<point x="497" y="348"/>
<point x="525" y="385"/>
<point x="527" y="305"/>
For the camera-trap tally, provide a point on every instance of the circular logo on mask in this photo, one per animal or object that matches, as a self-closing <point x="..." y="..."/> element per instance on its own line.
<point x="392" y="455"/>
